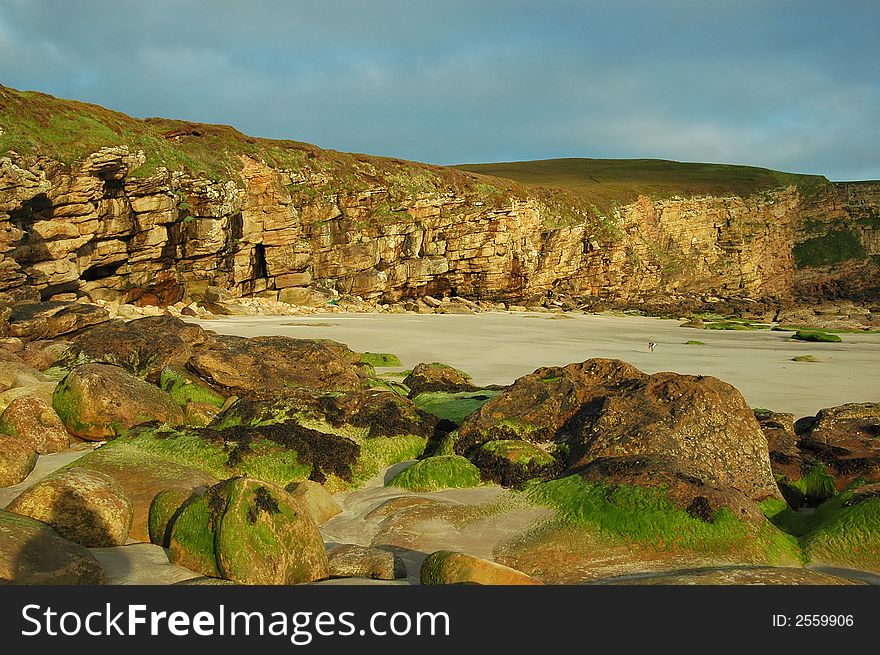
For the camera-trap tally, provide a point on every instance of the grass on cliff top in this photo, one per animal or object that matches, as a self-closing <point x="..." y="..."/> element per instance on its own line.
<point x="606" y="182"/>
<point x="647" y="517"/>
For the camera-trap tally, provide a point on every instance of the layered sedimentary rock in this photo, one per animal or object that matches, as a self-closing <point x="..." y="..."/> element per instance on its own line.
<point x="107" y="227"/>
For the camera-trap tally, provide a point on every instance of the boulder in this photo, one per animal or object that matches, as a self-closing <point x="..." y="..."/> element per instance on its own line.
<point x="17" y="460"/>
<point x="511" y="462"/>
<point x="46" y="320"/>
<point x="12" y="372"/>
<point x="85" y="506"/>
<point x="437" y="377"/>
<point x="606" y="408"/>
<point x="43" y="354"/>
<point x="437" y="472"/>
<point x="353" y="561"/>
<point x="143" y="346"/>
<point x="33" y="420"/>
<point x="447" y="567"/>
<point x="250" y="532"/>
<point x="272" y="366"/>
<point x="100" y="401"/>
<point x="33" y="553"/>
<point x="164" y="510"/>
<point x="315" y="500"/>
<point x="847" y="440"/>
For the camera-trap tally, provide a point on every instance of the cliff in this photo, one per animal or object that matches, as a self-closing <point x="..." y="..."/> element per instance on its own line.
<point x="98" y="204"/>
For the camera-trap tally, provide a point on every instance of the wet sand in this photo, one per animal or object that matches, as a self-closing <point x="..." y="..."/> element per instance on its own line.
<point x="496" y="348"/>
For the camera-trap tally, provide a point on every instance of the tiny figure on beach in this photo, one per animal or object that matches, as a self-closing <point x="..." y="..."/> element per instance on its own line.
<point x="651" y="345"/>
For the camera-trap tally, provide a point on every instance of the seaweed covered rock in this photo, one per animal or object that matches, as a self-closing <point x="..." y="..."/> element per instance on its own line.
<point x="353" y="561"/>
<point x="100" y="401"/>
<point x="143" y="346"/>
<point x="438" y="472"/>
<point x="272" y="366"/>
<point x="847" y="440"/>
<point x="447" y="567"/>
<point x="33" y="420"/>
<point x="511" y="462"/>
<point x="33" y="553"/>
<point x="606" y="408"/>
<point x="17" y="460"/>
<point x="538" y="406"/>
<point x="437" y="377"/>
<point x="84" y="506"/>
<point x="315" y="500"/>
<point x="453" y="407"/>
<point x="164" y="509"/>
<point x="250" y="532"/>
<point x="368" y="412"/>
<point x="700" y="500"/>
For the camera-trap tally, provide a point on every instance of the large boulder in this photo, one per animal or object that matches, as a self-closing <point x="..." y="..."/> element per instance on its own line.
<point x="353" y="561"/>
<point x="33" y="553"/>
<point x="437" y="377"/>
<point x="87" y="507"/>
<point x="447" y="567"/>
<point x="44" y="354"/>
<point x="847" y="440"/>
<point x="606" y="408"/>
<point x="17" y="460"/>
<point x="143" y="346"/>
<point x="100" y="401"/>
<point x="33" y="420"/>
<point x="250" y="532"/>
<point x="272" y="366"/>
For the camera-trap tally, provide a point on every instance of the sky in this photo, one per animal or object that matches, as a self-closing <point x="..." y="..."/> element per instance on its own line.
<point x="786" y="84"/>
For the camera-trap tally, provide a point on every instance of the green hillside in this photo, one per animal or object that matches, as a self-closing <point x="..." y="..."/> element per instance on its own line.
<point x="605" y="182"/>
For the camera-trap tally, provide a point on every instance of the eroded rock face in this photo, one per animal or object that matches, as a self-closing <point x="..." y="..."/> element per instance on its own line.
<point x="33" y="553"/>
<point x="315" y="500"/>
<point x="106" y="231"/>
<point x="782" y="442"/>
<point x="99" y="401"/>
<point x="608" y="409"/>
<point x="85" y="506"/>
<point x="267" y="366"/>
<point x="33" y="420"/>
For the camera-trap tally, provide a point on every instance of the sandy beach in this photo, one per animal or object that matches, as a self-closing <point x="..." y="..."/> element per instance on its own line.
<point x="496" y="348"/>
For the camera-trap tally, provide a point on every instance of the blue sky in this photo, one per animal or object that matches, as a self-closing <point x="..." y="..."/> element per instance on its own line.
<point x="793" y="85"/>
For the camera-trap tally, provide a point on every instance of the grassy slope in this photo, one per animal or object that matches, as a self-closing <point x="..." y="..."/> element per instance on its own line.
<point x="34" y="123"/>
<point x="605" y="182"/>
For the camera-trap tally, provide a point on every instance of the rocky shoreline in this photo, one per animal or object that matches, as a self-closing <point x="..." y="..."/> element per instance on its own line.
<point x="169" y="434"/>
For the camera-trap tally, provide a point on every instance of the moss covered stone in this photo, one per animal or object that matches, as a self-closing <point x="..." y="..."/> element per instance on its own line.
<point x="511" y="462"/>
<point x="447" y="567"/>
<point x="817" y="336"/>
<point x="439" y="472"/>
<point x="185" y="389"/>
<point x="164" y="511"/>
<point x="453" y="406"/>
<point x="386" y="360"/>
<point x="250" y="532"/>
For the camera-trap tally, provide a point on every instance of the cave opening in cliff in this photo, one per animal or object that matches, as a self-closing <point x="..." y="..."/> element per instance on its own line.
<point x="260" y="268"/>
<point x="100" y="271"/>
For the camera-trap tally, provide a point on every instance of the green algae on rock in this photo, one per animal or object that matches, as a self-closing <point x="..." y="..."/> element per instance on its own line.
<point x="438" y="472"/>
<point x="453" y="406"/>
<point x="250" y="532"/>
<point x="447" y="567"/>
<point x="511" y="462"/>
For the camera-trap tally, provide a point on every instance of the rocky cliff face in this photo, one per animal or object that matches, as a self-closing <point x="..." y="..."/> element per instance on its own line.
<point x="100" y="228"/>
